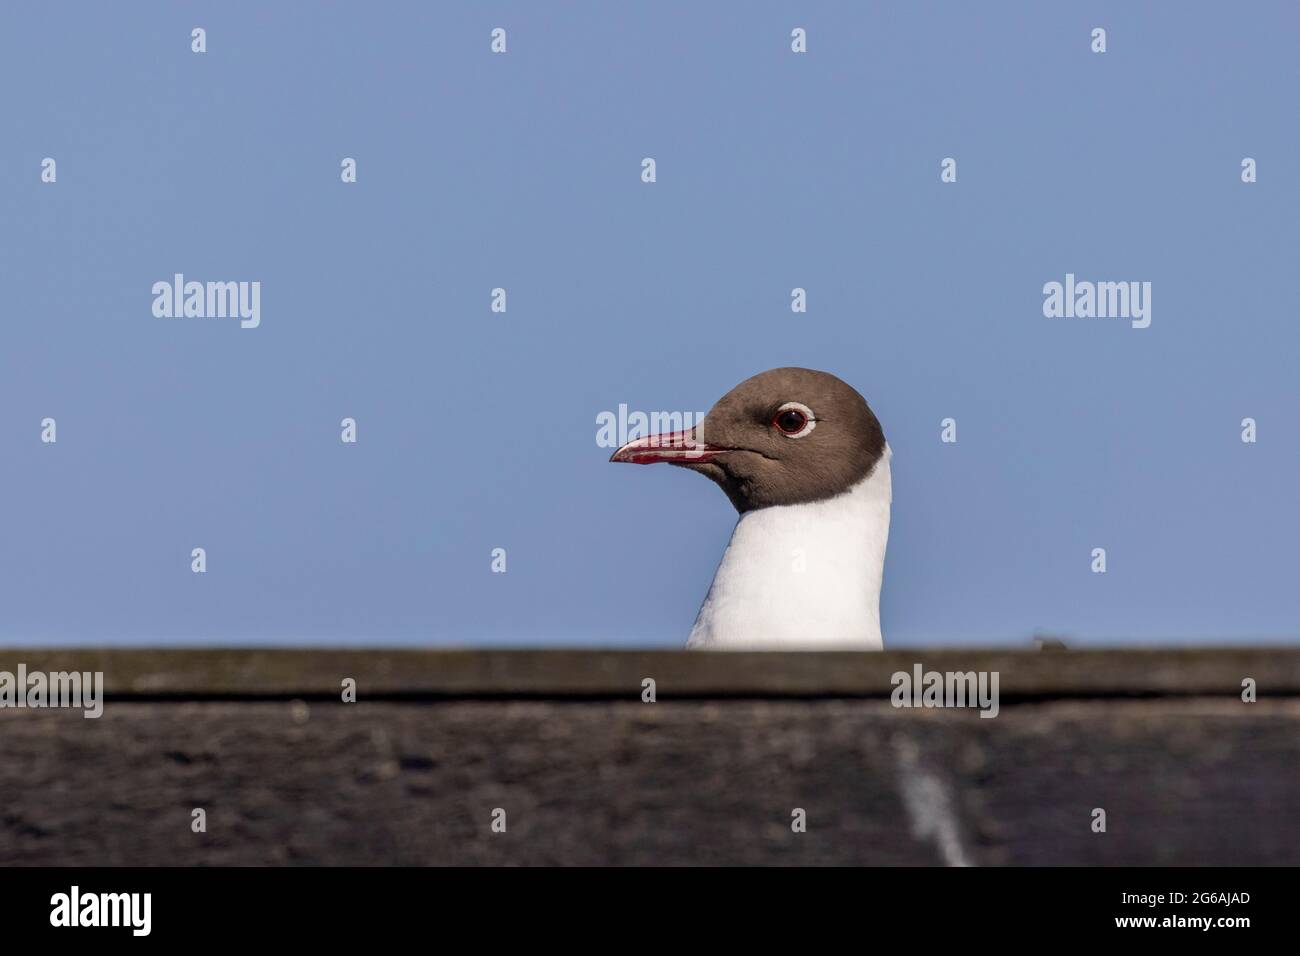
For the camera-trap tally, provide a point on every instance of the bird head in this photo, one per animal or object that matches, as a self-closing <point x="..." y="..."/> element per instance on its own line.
<point x="785" y="436"/>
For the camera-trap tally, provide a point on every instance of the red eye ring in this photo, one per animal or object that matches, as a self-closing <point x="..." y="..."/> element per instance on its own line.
<point x="790" y="421"/>
<point x="794" y="420"/>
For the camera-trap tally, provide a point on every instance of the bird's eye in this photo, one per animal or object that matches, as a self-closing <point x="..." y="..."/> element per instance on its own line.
<point x="791" y="420"/>
<point x="794" y="420"/>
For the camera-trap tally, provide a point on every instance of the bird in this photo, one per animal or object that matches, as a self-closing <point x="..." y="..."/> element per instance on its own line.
<point x="804" y="461"/>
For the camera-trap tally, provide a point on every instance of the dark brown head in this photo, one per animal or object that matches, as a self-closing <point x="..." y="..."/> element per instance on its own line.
<point x="786" y="436"/>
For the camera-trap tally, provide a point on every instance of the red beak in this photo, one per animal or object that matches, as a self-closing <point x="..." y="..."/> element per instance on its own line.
<point x="671" y="446"/>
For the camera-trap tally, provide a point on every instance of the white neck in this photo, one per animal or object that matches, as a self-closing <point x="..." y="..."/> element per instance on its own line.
<point x="802" y="577"/>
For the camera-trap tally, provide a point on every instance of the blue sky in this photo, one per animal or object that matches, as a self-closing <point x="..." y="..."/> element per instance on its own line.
<point x="477" y="430"/>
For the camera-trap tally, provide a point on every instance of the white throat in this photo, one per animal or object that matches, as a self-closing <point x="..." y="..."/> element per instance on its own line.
<point x="802" y="577"/>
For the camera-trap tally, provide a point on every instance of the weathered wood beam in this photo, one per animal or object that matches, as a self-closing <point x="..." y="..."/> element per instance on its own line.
<point x="403" y="673"/>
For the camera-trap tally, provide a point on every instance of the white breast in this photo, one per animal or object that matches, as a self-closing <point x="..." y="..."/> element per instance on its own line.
<point x="802" y="577"/>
